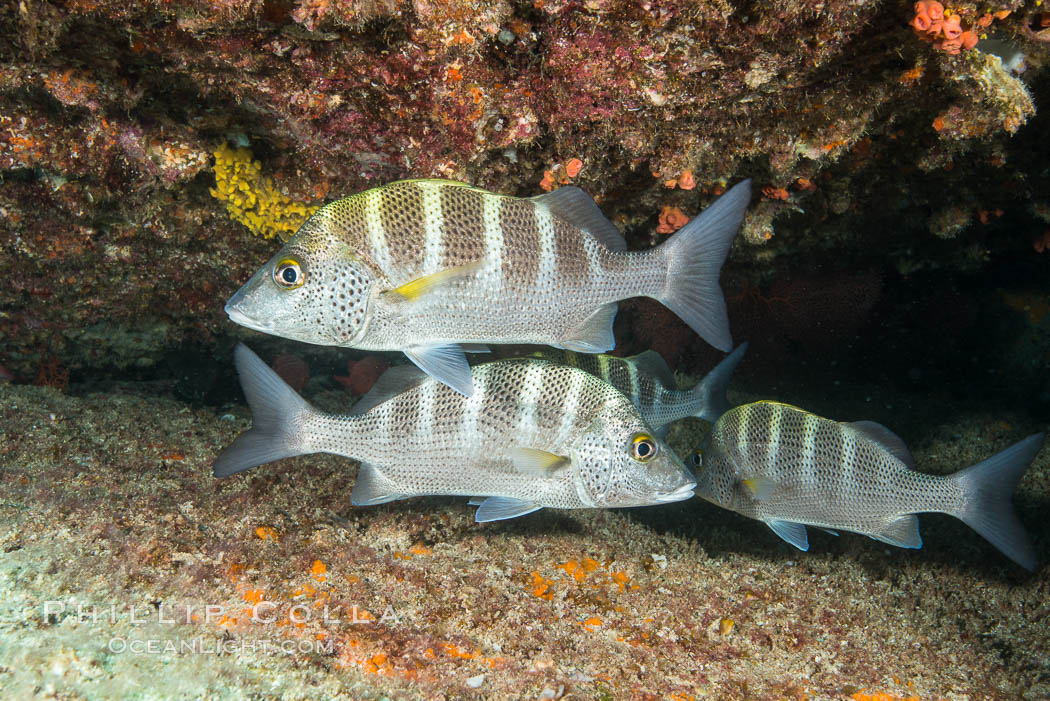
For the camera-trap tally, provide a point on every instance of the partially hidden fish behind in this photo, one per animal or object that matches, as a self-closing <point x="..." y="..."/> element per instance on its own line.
<point x="646" y="380"/>
<point x="533" y="435"/>
<point x="790" y="468"/>
<point x="423" y="266"/>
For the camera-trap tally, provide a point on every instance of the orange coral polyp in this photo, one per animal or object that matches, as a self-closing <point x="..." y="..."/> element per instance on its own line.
<point x="951" y="46"/>
<point x="921" y="20"/>
<point x="952" y="29"/>
<point x="944" y="28"/>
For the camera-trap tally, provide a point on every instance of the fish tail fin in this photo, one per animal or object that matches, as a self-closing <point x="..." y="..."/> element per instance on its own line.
<point x="693" y="258"/>
<point x="277" y="415"/>
<point x="711" y="391"/>
<point x="988" y="489"/>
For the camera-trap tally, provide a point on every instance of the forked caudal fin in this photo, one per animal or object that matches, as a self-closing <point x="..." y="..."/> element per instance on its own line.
<point x="694" y="257"/>
<point x="277" y="412"/>
<point x="988" y="487"/>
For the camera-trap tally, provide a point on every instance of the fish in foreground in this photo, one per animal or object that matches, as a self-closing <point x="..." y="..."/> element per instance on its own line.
<point x="423" y="266"/>
<point x="790" y="468"/>
<point x="646" y="380"/>
<point x="533" y="435"/>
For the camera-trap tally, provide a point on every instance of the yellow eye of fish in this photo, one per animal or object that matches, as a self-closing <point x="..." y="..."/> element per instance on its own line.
<point x="643" y="447"/>
<point x="288" y="274"/>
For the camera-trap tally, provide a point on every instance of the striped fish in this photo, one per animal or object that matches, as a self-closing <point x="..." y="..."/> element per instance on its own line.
<point x="423" y="266"/>
<point x="533" y="435"/>
<point x="650" y="385"/>
<point x="790" y="468"/>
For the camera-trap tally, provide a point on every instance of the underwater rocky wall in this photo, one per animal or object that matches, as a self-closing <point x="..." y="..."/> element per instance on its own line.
<point x="146" y="149"/>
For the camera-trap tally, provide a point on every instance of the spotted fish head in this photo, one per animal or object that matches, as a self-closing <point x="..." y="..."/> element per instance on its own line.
<point x="717" y="476"/>
<point x="621" y="463"/>
<point x="316" y="290"/>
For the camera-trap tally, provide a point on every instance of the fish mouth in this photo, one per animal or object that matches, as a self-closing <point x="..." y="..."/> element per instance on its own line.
<point x="239" y="317"/>
<point x="681" y="494"/>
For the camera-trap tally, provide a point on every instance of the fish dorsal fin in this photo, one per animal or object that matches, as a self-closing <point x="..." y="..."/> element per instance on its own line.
<point x="886" y="438"/>
<point x="540" y="463"/>
<point x="372" y="487"/>
<point x="652" y="363"/>
<point x="414" y="289"/>
<point x="398" y="379"/>
<point x="794" y="533"/>
<point x="446" y="364"/>
<point x="902" y="532"/>
<point x="758" y="487"/>
<point x="502" y="508"/>
<point x="576" y="207"/>
<point x="594" y="334"/>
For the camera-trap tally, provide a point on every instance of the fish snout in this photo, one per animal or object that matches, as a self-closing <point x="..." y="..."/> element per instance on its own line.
<point x="680" y="493"/>
<point x="234" y="309"/>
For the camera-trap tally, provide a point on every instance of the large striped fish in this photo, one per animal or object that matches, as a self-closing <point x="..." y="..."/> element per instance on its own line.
<point x="646" y="380"/>
<point x="790" y="468"/>
<point x="423" y="266"/>
<point x="533" y="435"/>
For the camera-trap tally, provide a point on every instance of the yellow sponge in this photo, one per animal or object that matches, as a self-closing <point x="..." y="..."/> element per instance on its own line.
<point x="252" y="199"/>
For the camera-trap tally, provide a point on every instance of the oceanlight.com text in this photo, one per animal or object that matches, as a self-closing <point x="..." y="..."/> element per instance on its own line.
<point x="201" y="645"/>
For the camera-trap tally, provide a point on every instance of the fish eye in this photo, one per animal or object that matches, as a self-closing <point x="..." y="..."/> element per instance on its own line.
<point x="643" y="447"/>
<point x="288" y="274"/>
<point x="697" y="460"/>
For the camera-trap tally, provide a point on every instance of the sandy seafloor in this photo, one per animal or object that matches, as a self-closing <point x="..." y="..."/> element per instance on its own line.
<point x="108" y="503"/>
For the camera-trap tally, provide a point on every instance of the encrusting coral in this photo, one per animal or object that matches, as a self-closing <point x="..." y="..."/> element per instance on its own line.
<point x="252" y="198"/>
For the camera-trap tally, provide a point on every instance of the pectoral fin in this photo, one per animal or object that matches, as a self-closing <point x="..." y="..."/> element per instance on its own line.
<point x="415" y="289"/>
<point x="794" y="533"/>
<point x="502" y="508"/>
<point x="758" y="487"/>
<point x="446" y="364"/>
<point x="537" y="462"/>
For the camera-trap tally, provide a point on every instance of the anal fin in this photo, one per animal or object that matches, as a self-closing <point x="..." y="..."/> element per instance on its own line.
<point x="902" y="532"/>
<point x="594" y="334"/>
<point x="373" y="488"/>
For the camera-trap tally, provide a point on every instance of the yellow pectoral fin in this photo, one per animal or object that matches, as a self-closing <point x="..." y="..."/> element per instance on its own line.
<point x="537" y="462"/>
<point x="758" y="487"/>
<point x="415" y="289"/>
